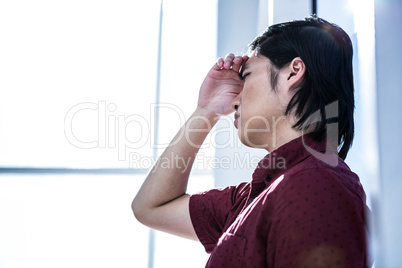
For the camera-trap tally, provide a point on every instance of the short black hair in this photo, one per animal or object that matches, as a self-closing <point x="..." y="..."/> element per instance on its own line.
<point x="326" y="51"/>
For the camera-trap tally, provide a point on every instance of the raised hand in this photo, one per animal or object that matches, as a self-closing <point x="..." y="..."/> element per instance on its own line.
<point x="162" y="202"/>
<point x="221" y="85"/>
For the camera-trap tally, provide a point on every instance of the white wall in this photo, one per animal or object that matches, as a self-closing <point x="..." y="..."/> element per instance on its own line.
<point x="388" y="26"/>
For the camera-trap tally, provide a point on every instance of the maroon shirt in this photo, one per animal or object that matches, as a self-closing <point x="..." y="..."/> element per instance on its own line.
<point x="297" y="211"/>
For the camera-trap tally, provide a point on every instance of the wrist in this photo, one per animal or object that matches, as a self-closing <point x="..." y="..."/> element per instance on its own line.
<point x="208" y="116"/>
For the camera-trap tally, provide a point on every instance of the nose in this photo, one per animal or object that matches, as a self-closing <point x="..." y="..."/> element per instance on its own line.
<point x="236" y="102"/>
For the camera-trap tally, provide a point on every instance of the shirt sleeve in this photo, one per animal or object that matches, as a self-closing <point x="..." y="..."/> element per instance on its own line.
<point x="319" y="221"/>
<point x="211" y="212"/>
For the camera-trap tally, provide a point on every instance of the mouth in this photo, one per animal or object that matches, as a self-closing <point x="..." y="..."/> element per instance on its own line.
<point x="236" y="117"/>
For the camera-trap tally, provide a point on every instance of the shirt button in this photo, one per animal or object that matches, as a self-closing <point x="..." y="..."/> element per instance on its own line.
<point x="268" y="178"/>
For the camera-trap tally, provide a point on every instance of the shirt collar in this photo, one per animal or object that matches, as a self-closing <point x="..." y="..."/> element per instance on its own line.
<point x="282" y="159"/>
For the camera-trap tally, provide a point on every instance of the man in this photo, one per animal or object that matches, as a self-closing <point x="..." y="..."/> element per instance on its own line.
<point x="293" y="96"/>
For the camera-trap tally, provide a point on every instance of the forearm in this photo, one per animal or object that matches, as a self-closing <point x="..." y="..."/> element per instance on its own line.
<point x="169" y="177"/>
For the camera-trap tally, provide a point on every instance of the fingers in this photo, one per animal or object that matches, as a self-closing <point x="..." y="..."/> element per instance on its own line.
<point x="231" y="62"/>
<point x="219" y="64"/>
<point x="237" y="63"/>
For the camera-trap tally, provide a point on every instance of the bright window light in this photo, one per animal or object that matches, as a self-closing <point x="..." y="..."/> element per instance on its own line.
<point x="77" y="91"/>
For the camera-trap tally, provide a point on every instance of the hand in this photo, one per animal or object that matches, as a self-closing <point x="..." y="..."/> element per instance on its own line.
<point x="221" y="85"/>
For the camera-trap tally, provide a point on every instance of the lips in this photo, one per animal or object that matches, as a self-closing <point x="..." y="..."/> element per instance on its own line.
<point x="236" y="116"/>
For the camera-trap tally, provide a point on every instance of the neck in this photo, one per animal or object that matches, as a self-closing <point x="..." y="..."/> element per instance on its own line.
<point x="280" y="138"/>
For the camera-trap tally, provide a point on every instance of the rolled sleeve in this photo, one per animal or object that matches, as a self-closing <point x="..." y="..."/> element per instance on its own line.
<point x="211" y="211"/>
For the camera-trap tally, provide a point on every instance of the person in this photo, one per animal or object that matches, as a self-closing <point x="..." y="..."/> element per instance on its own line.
<point x="292" y="95"/>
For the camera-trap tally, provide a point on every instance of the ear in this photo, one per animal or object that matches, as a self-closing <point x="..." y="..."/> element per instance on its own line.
<point x="295" y="73"/>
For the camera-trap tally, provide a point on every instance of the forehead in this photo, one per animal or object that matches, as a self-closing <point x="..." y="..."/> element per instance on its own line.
<point x="256" y="61"/>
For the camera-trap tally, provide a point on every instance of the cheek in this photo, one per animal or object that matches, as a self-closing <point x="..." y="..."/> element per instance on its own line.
<point x="261" y="104"/>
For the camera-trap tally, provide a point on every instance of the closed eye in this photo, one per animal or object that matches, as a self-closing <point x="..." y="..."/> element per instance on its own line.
<point x="243" y="76"/>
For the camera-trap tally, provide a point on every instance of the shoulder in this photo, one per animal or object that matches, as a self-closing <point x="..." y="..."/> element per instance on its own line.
<point x="314" y="179"/>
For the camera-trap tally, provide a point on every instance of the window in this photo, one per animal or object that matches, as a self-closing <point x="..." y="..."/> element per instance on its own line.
<point x="78" y="117"/>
